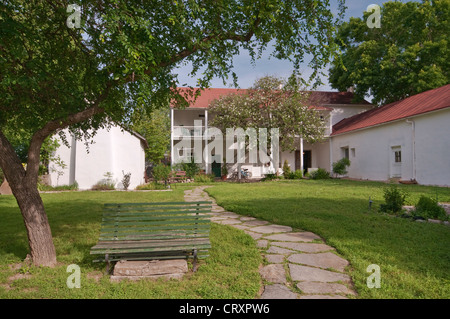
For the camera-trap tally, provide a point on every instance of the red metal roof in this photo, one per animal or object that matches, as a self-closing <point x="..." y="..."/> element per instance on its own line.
<point x="317" y="99"/>
<point x="424" y="102"/>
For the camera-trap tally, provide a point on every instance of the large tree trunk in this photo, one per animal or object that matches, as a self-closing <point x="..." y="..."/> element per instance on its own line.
<point x="42" y="249"/>
<point x="24" y="188"/>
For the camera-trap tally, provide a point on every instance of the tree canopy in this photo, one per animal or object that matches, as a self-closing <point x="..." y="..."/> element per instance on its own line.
<point x="271" y="103"/>
<point x="409" y="54"/>
<point x="57" y="73"/>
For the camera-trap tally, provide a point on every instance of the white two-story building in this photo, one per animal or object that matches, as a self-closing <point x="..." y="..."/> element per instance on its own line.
<point x="193" y="122"/>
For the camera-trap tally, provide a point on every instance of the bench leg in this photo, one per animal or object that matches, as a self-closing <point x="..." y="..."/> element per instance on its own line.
<point x="195" y="261"/>
<point x="107" y="264"/>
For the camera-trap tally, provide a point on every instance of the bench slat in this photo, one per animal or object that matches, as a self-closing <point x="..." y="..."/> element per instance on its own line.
<point x="142" y="231"/>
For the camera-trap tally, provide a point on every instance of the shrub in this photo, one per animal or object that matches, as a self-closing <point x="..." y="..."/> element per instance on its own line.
<point x="126" y="180"/>
<point x="286" y="169"/>
<point x="105" y="184"/>
<point x="203" y="178"/>
<point x="429" y="208"/>
<point x="320" y="173"/>
<point x="151" y="186"/>
<point x="191" y="168"/>
<point x="161" y="173"/>
<point x="340" y="167"/>
<point x="298" y="174"/>
<point x="394" y="200"/>
<point x="270" y="177"/>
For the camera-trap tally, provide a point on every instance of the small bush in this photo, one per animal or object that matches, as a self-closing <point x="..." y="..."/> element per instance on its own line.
<point x="429" y="208"/>
<point x="394" y="200"/>
<point x="105" y="184"/>
<point x="340" y="167"/>
<point x="320" y="173"/>
<point x="126" y="180"/>
<point x="161" y="173"/>
<point x="203" y="178"/>
<point x="270" y="177"/>
<point x="286" y="169"/>
<point x="151" y="186"/>
<point x="298" y="174"/>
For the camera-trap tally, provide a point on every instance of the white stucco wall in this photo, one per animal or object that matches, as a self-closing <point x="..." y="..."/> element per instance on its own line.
<point x="112" y="151"/>
<point x="371" y="150"/>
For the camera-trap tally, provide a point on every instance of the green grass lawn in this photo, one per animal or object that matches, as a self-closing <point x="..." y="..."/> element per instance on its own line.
<point x="414" y="258"/>
<point x="231" y="271"/>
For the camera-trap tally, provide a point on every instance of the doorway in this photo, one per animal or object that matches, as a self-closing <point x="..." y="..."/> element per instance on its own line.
<point x="396" y="161"/>
<point x="307" y="161"/>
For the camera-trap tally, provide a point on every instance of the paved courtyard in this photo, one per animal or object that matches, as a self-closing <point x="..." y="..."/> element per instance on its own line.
<point x="298" y="264"/>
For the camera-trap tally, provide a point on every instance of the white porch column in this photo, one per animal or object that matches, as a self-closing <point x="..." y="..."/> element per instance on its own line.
<point x="171" y="136"/>
<point x="207" y="165"/>
<point x="301" y="156"/>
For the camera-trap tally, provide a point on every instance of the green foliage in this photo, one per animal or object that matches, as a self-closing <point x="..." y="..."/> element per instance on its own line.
<point x="298" y="174"/>
<point x="286" y="169"/>
<point x="340" y="167"/>
<point x="320" y="173"/>
<point x="105" y="184"/>
<point x="155" y="128"/>
<point x="47" y="188"/>
<point x="191" y="168"/>
<point x="126" y="180"/>
<point x="270" y="177"/>
<point x="429" y="208"/>
<point x="161" y="173"/>
<point x="204" y="178"/>
<point x="151" y="186"/>
<point x="394" y="199"/>
<point x="409" y="54"/>
<point x="264" y="105"/>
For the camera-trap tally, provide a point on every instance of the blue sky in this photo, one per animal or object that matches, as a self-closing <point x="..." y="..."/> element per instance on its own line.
<point x="247" y="73"/>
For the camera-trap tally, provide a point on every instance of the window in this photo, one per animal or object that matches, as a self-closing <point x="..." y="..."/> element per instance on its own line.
<point x="353" y="152"/>
<point x="345" y="152"/>
<point x="398" y="156"/>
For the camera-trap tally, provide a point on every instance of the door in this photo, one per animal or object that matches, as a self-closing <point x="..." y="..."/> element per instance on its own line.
<point x="396" y="161"/>
<point x="216" y="169"/>
<point x="307" y="161"/>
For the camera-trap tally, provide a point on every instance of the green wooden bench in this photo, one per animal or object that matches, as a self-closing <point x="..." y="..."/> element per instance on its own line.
<point x="145" y="231"/>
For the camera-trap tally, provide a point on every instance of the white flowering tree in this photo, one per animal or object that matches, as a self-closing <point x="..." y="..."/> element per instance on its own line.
<point x="271" y="103"/>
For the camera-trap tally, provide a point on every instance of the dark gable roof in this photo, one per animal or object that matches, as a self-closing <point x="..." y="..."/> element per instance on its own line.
<point x="421" y="103"/>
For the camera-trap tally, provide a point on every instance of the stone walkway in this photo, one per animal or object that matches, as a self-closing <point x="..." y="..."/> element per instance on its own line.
<point x="298" y="264"/>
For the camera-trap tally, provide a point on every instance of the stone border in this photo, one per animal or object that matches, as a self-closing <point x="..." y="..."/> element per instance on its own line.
<point x="297" y="264"/>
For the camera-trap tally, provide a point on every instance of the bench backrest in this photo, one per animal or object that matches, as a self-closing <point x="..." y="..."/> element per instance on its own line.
<point x="148" y="221"/>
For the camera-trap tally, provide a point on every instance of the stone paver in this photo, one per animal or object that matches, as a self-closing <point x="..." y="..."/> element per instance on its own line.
<point x="278" y="291"/>
<point x="309" y="287"/>
<point x="308" y="259"/>
<point x="305" y="247"/>
<point x="274" y="259"/>
<point x="305" y="273"/>
<point x="322" y="260"/>
<point x="295" y="237"/>
<point x="270" y="229"/>
<point x="273" y="273"/>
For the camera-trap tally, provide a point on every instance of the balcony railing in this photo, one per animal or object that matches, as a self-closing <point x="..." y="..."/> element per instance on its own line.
<point x="187" y="131"/>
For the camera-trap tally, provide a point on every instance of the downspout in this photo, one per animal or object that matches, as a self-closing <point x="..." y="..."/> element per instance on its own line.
<point x="413" y="132"/>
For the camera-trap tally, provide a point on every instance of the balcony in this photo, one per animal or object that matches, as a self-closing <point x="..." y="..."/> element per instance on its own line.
<point x="179" y="132"/>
